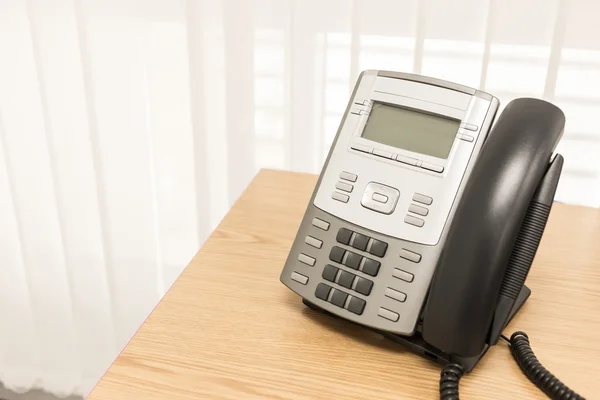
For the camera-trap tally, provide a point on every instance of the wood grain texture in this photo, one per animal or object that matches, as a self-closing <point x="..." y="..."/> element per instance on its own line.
<point x="228" y="329"/>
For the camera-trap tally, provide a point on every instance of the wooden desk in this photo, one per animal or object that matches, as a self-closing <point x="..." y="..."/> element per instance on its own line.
<point x="228" y="329"/>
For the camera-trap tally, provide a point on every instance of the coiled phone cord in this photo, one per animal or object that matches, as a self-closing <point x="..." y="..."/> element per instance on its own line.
<point x="529" y="364"/>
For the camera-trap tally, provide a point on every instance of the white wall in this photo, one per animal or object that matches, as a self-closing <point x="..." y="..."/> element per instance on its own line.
<point x="129" y="127"/>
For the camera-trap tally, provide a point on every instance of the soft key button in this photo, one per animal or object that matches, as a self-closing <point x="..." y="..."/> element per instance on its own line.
<point x="413" y="208"/>
<point x="299" y="278"/>
<point x="343" y="186"/>
<point x="314" y="242"/>
<point x="373" y="189"/>
<point x="319" y="223"/>
<point x="340" y="197"/>
<point x="394" y="294"/>
<point x="421" y="198"/>
<point x="388" y="314"/>
<point x="347" y="176"/>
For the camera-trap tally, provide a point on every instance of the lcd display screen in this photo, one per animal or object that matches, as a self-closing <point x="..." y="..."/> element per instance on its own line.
<point x="411" y="130"/>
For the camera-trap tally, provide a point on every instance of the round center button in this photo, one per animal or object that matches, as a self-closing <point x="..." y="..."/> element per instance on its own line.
<point x="380" y="198"/>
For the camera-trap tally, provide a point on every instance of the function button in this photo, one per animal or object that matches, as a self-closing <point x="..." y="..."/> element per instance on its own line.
<point x="378" y="248"/>
<point x="299" y="278"/>
<point x="346" y="279"/>
<point x="466" y="138"/>
<point x="387" y="314"/>
<point x="410" y="255"/>
<point x="364" y="286"/>
<point x="314" y="242"/>
<point x="403" y="275"/>
<point x="343" y="236"/>
<point x="421" y="198"/>
<point x="361" y="147"/>
<point x="346" y="187"/>
<point x="406" y="160"/>
<point x="340" y="197"/>
<point x="381" y="198"/>
<point x="336" y="254"/>
<point x="394" y="294"/>
<point x="432" y="167"/>
<point x="329" y="273"/>
<point x="308" y="260"/>
<point x="383" y="153"/>
<point x="339" y="298"/>
<point x="356" y="305"/>
<point x="347" y="176"/>
<point x="352" y="260"/>
<point x="409" y="219"/>
<point x="360" y="241"/>
<point x="469" y="127"/>
<point x="413" y="208"/>
<point x="371" y="267"/>
<point x="319" y="223"/>
<point x="322" y="291"/>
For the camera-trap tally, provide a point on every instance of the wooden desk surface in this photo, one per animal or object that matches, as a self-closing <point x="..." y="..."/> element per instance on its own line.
<point x="228" y="329"/>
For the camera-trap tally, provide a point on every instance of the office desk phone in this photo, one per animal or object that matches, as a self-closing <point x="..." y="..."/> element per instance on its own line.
<point x="425" y="220"/>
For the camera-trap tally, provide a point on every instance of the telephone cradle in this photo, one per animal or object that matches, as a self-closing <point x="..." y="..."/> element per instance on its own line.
<point x="417" y="345"/>
<point x="426" y="219"/>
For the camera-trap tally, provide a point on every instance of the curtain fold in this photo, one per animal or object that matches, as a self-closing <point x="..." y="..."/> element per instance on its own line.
<point x="128" y="128"/>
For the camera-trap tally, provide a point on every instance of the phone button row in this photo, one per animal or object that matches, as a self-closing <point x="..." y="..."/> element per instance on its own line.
<point x="354" y="261"/>
<point x="388" y="314"/>
<point x="347" y="279"/>
<point x="340" y="298"/>
<point x="361" y="242"/>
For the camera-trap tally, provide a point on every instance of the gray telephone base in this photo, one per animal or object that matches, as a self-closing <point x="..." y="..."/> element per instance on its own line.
<point x="417" y="345"/>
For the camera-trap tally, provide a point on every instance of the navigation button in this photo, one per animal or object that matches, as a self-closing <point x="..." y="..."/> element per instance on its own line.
<point x="373" y="188"/>
<point x="381" y="198"/>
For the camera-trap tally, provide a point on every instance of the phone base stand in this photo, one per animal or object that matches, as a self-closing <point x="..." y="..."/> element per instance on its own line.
<point x="417" y="344"/>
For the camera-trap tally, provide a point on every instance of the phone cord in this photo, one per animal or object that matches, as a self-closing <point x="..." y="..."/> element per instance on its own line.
<point x="529" y="364"/>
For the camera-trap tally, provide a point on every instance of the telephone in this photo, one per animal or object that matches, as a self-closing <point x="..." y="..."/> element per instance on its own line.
<point x="425" y="221"/>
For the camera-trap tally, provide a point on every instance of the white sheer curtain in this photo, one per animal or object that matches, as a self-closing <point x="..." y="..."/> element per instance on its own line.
<point x="129" y="127"/>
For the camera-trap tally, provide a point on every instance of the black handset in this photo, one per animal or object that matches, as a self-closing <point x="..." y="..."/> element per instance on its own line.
<point x="466" y="285"/>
